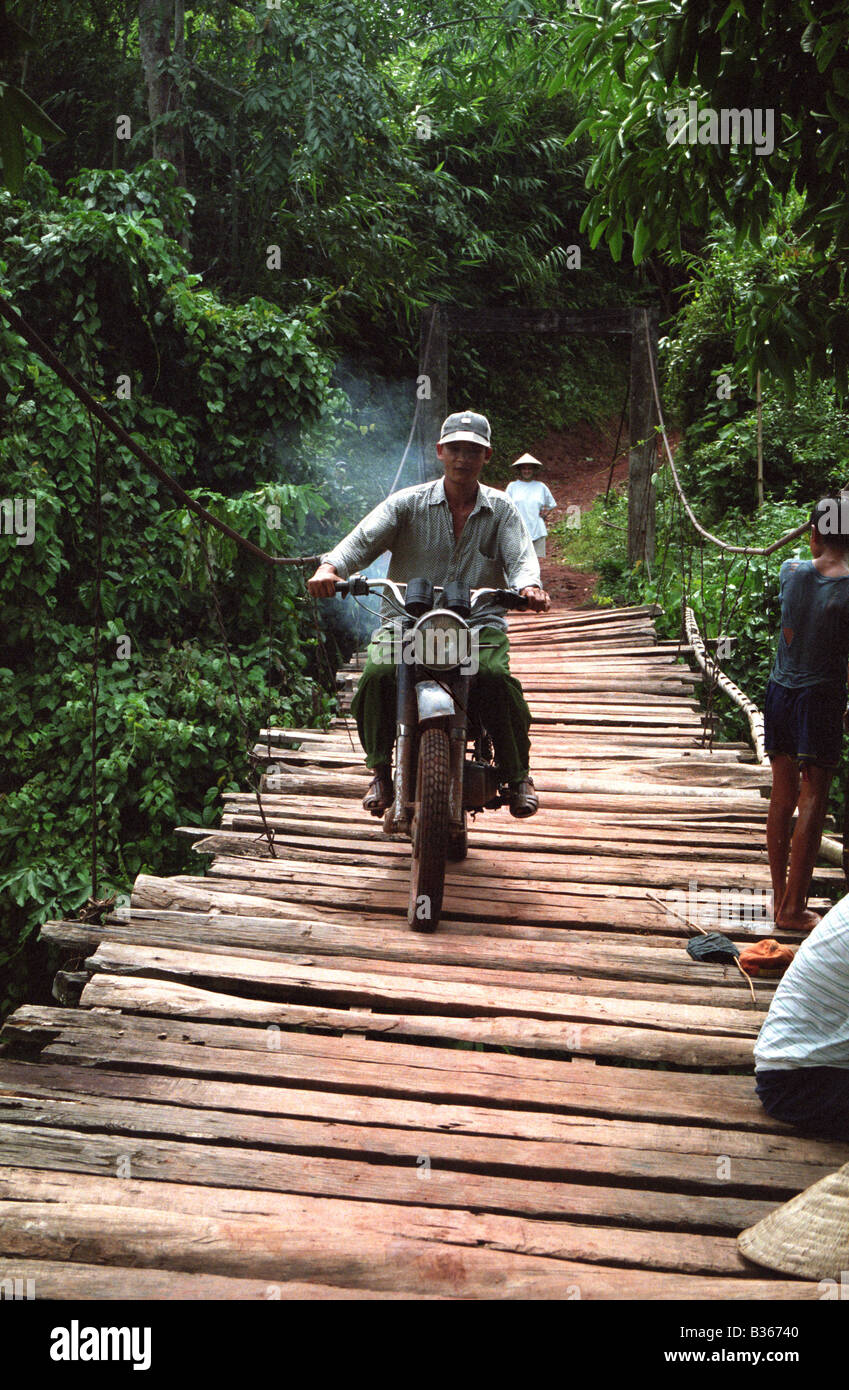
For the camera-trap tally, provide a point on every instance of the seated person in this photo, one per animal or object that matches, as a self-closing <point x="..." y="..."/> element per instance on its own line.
<point x="454" y="528"/>
<point x="802" y="1051"/>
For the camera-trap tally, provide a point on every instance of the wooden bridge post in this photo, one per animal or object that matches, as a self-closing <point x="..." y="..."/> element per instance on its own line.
<point x="641" y="492"/>
<point x="432" y="383"/>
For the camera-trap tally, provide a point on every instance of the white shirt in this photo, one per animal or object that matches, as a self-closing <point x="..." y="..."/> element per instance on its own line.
<point x="531" y="498"/>
<point x="808" y="1020"/>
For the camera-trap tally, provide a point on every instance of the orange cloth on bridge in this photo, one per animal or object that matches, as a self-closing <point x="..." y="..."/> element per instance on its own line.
<point x="767" y="957"/>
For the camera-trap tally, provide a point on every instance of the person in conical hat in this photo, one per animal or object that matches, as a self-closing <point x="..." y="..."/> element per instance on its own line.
<point x="807" y="1236"/>
<point x="532" y="499"/>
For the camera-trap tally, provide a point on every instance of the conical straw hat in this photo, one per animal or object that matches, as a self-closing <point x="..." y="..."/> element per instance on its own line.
<point x="809" y="1235"/>
<point x="526" y="458"/>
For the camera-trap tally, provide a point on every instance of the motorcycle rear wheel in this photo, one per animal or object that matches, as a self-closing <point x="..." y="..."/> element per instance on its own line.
<point x="429" y="831"/>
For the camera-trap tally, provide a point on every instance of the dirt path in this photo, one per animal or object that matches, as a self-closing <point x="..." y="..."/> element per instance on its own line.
<point x="577" y="465"/>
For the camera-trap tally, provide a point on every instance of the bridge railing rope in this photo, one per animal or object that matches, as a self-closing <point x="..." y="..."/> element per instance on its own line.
<point x="715" y="540"/>
<point x="830" y="849"/>
<point x="719" y="679"/>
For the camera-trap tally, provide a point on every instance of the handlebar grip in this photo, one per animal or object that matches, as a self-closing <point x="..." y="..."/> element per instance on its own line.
<point x="354" y="584"/>
<point x="508" y="599"/>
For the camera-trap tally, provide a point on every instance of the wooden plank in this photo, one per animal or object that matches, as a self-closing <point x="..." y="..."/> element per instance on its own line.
<point x="58" y="1280"/>
<point x="574" y="837"/>
<point x="621" y="919"/>
<point x="33" y="1026"/>
<point x="635" y="966"/>
<point x="96" y="1283"/>
<point x="494" y="933"/>
<point x="618" y="907"/>
<point x="512" y="320"/>
<point x="578" y="1037"/>
<point x="285" y="978"/>
<point x="552" y="1036"/>
<point x="637" y="828"/>
<point x="351" y="1241"/>
<point x="572" y="910"/>
<point x="163" y="894"/>
<point x="638" y="870"/>
<point x="610" y="982"/>
<point x="216" y="1165"/>
<point x="478" y="873"/>
<point x="252" y="1249"/>
<point x="688" y="1163"/>
<point x="65" y="1082"/>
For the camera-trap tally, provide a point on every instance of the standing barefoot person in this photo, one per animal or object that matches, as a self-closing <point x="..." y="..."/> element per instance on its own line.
<point x="804" y="705"/>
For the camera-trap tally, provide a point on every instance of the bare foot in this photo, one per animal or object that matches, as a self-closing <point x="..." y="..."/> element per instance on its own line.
<point x="380" y="793"/>
<point x="798" y="921"/>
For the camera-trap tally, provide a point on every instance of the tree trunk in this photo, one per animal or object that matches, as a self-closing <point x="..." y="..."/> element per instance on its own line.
<point x="760" y="444"/>
<point x="162" y="22"/>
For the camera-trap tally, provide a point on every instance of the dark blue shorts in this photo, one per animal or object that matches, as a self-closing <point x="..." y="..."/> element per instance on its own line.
<point x="814" y="1098"/>
<point x="806" y="724"/>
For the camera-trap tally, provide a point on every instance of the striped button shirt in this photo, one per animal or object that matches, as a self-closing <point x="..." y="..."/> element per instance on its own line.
<point x="494" y="549"/>
<point x="808" y="1020"/>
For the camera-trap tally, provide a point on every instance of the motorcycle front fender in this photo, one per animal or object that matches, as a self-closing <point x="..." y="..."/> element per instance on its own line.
<point x="433" y="702"/>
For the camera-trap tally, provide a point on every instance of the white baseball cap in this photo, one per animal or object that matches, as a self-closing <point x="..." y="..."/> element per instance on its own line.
<point x="465" y="424"/>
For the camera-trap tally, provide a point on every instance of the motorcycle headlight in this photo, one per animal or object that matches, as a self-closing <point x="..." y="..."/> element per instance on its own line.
<point x="440" y="641"/>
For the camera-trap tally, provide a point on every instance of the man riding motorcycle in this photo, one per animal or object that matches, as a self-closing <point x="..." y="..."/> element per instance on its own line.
<point x="455" y="528"/>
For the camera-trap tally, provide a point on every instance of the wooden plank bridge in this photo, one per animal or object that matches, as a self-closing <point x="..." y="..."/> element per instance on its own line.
<point x="259" y="1083"/>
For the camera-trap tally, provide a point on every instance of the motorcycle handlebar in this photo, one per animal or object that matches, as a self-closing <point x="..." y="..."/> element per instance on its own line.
<point x="505" y="598"/>
<point x="508" y="598"/>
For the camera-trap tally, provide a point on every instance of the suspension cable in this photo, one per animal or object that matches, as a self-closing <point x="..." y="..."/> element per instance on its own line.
<point x="95" y="408"/>
<point x="394" y="483"/>
<point x="723" y="545"/>
<point x="246" y="736"/>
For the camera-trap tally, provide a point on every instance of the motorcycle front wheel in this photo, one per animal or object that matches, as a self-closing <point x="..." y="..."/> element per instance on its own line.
<point x="429" y="831"/>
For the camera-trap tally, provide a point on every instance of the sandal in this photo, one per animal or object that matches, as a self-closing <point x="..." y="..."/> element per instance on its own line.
<point x="523" y="800"/>
<point x="380" y="793"/>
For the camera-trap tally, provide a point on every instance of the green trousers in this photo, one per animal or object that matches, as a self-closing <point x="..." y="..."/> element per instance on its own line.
<point x="496" y="696"/>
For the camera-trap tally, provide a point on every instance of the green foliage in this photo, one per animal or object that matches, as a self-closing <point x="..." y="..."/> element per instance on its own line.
<point x="637" y="62"/>
<point x="18" y="112"/>
<point x="530" y="385"/>
<point x="113" y="292"/>
<point x="804" y="448"/>
<point x="347" y="156"/>
<point x="151" y="192"/>
<point x="712" y="393"/>
<point x="599" y="543"/>
<point x="733" y="291"/>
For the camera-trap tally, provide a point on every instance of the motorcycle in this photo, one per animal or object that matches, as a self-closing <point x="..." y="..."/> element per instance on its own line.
<point x="436" y="783"/>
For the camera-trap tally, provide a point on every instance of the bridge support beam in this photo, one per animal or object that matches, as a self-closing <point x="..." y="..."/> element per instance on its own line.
<point x="641" y="455"/>
<point x="439" y="320"/>
<point x="431" y="388"/>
